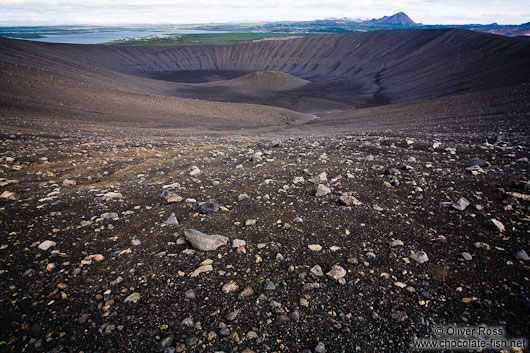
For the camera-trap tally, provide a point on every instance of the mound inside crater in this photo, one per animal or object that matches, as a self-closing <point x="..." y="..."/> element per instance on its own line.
<point x="264" y="80"/>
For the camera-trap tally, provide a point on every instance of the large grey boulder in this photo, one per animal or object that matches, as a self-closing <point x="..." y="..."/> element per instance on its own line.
<point x="204" y="242"/>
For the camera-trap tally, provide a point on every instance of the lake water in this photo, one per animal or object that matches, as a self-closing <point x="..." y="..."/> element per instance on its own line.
<point x="104" y="37"/>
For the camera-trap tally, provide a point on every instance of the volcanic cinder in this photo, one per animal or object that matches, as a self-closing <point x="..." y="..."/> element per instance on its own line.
<point x="312" y="76"/>
<point x="335" y="167"/>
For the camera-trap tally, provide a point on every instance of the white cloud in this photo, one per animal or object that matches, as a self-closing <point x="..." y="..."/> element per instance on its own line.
<point x="203" y="11"/>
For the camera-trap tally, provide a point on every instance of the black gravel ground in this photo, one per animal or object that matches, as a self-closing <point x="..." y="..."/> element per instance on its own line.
<point x="72" y="296"/>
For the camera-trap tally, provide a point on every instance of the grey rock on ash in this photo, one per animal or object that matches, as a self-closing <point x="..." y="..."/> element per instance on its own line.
<point x="172" y="220"/>
<point x="210" y="206"/>
<point x="461" y="204"/>
<point x="204" y="242"/>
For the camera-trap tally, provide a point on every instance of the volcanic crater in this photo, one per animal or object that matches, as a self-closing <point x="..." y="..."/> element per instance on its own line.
<point x="314" y="75"/>
<point x="355" y="192"/>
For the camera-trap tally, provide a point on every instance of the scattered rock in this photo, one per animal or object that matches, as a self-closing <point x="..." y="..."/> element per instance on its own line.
<point x="188" y="322"/>
<point x="194" y="171"/>
<point x="321" y="178"/>
<point x="201" y="269"/>
<point x="204" y="242"/>
<point x="250" y="222"/>
<point x="519" y="196"/>
<point x="348" y="200"/>
<point x="468" y="300"/>
<point x="419" y="256"/>
<point x="165" y="343"/>
<point x="298" y="180"/>
<point x="481" y="245"/>
<point x="170" y="196"/>
<point x="337" y="273"/>
<point x="396" y="242"/>
<point x="171" y="186"/>
<point x="242" y="197"/>
<point x="252" y="335"/>
<point x="230" y="287"/>
<point x="315" y="247"/>
<point x="394" y="182"/>
<point x="211" y="335"/>
<point x="210" y="206"/>
<point x="45" y="245"/>
<point x="237" y="243"/>
<point x="269" y="286"/>
<point x="320" y="348"/>
<point x="88" y="259"/>
<point x="467" y="256"/>
<point x="190" y="294"/>
<point x="316" y="271"/>
<point x="461" y="204"/>
<point x="498" y="224"/>
<point x="68" y="182"/>
<point x="8" y="195"/>
<point x="232" y="315"/>
<point x="321" y="190"/>
<point x="133" y="298"/>
<point x="522" y="256"/>
<point x="172" y="220"/>
<point x="113" y="195"/>
<point x="378" y="208"/>
<point x="247" y="292"/>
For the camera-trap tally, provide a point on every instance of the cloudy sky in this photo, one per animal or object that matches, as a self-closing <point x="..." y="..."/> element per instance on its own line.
<point x="100" y="12"/>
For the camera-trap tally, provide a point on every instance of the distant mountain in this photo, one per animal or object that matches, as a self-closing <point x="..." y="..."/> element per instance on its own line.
<point x="399" y="19"/>
<point x="521" y="30"/>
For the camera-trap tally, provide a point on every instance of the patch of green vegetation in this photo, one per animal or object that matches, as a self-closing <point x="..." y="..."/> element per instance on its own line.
<point x="203" y="38"/>
<point x="317" y="26"/>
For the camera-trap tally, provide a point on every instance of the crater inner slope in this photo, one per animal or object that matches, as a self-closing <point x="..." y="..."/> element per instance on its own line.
<point x="309" y="75"/>
<point x="358" y="69"/>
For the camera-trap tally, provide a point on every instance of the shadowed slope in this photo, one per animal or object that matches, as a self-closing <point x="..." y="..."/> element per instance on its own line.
<point x="478" y="111"/>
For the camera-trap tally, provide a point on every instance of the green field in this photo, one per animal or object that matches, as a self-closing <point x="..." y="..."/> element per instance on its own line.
<point x="203" y="38"/>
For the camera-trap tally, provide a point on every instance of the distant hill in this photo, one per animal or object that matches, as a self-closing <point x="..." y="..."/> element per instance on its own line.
<point x="253" y="31"/>
<point x="399" y="19"/>
<point x="505" y="30"/>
